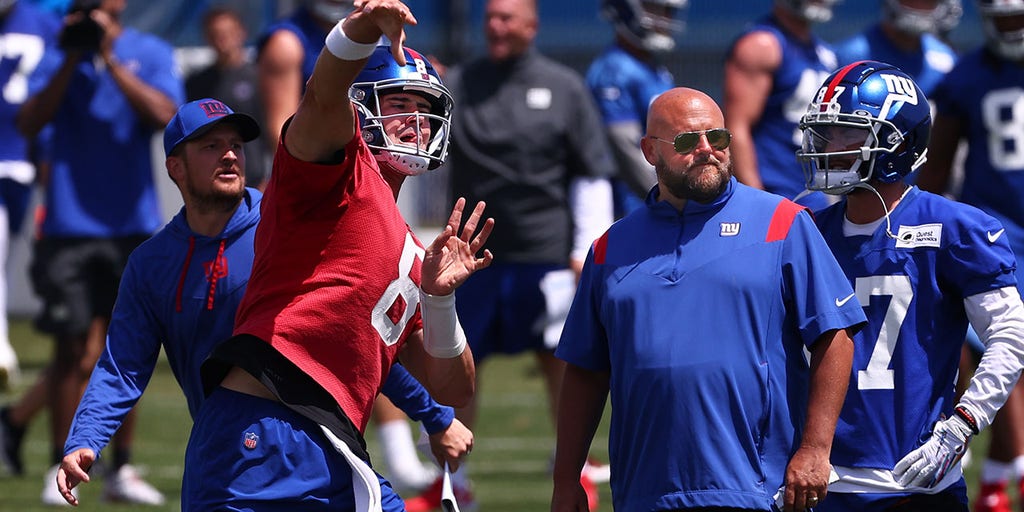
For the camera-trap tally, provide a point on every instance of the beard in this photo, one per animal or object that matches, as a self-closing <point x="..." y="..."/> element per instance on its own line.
<point x="702" y="181"/>
<point x="214" y="198"/>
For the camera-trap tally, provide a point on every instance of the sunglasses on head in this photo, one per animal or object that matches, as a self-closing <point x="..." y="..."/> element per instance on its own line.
<point x="684" y="143"/>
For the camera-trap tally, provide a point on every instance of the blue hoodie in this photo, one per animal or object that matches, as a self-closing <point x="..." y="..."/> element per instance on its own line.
<point x="181" y="290"/>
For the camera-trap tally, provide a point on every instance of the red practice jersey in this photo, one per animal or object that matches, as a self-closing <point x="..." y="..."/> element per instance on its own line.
<point x="335" y="280"/>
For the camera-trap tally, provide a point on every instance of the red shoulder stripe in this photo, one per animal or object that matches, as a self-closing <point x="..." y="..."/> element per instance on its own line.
<point x="601" y="249"/>
<point x="782" y="219"/>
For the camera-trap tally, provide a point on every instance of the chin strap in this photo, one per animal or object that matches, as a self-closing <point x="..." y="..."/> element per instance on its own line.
<point x="885" y="207"/>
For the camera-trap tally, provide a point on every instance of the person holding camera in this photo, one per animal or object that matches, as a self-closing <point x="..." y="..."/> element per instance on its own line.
<point x="105" y="90"/>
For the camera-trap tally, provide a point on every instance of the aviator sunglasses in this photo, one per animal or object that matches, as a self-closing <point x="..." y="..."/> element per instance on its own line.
<point x="684" y="143"/>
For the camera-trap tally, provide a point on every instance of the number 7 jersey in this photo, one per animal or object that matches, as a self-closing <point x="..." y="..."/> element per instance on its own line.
<point x="912" y="289"/>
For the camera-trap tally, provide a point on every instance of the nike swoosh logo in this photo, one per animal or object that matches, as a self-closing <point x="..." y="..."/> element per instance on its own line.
<point x="840" y="302"/>
<point x="992" y="237"/>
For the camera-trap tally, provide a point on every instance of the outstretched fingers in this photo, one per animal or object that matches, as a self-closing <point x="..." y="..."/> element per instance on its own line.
<point x="391" y="17"/>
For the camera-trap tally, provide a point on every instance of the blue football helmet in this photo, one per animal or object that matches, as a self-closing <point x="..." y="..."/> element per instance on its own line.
<point x="868" y="121"/>
<point x="1008" y="44"/>
<point x="814" y="11"/>
<point x="383" y="75"/>
<point x="942" y="18"/>
<point x="650" y="24"/>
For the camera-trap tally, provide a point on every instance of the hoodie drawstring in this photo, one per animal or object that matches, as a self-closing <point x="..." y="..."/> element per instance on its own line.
<point x="214" y="276"/>
<point x="184" y="272"/>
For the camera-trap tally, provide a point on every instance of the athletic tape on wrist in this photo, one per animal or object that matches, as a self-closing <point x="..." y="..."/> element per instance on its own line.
<point x="344" y="48"/>
<point x="443" y="337"/>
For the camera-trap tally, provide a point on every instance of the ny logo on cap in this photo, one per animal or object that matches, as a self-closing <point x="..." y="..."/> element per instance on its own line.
<point x="214" y="108"/>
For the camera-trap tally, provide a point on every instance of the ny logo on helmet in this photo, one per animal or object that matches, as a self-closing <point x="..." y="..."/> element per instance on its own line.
<point x="901" y="88"/>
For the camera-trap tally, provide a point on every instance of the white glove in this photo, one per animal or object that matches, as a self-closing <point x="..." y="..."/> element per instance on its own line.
<point x="928" y="465"/>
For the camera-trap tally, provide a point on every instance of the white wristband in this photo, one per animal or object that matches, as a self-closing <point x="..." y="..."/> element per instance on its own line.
<point x="442" y="334"/>
<point x="346" y="49"/>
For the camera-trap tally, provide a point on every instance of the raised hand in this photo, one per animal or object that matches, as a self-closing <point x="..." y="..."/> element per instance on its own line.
<point x="389" y="16"/>
<point x="451" y="259"/>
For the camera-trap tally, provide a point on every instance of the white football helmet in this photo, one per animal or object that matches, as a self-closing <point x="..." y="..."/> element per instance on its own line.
<point x="814" y="11"/>
<point x="1008" y="44"/>
<point x="942" y="18"/>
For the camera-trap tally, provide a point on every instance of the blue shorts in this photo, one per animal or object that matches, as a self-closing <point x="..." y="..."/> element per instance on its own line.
<point x="247" y="453"/>
<point x="952" y="499"/>
<point x="510" y="308"/>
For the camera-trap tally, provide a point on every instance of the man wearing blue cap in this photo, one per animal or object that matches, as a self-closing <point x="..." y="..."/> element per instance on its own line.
<point x="181" y="289"/>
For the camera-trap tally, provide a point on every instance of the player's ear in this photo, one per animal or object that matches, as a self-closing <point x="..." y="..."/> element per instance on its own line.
<point x="175" y="167"/>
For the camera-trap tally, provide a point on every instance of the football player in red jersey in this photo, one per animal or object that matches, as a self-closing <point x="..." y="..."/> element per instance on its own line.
<point x="340" y="287"/>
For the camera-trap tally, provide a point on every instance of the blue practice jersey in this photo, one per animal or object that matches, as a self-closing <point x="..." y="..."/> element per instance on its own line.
<point x="624" y="86"/>
<point x="702" y="319"/>
<point x="927" y="67"/>
<point x="776" y="136"/>
<point x="984" y="94"/>
<point x="912" y="289"/>
<point x="26" y="32"/>
<point x="101" y="178"/>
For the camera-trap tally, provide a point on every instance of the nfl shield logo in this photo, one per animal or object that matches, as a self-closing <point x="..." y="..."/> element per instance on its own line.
<point x="250" y="440"/>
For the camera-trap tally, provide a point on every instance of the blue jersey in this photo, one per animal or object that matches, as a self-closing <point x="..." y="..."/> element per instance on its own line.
<point x="983" y="94"/>
<point x="623" y="86"/>
<point x="776" y="136"/>
<point x="701" y="319"/>
<point x="912" y="289"/>
<point x="180" y="290"/>
<point x="26" y="32"/>
<point x="927" y="66"/>
<point x="101" y="178"/>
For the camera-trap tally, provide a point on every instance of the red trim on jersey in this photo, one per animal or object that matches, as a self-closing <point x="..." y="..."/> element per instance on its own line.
<point x="782" y="219"/>
<point x="601" y="249"/>
<point x="825" y="100"/>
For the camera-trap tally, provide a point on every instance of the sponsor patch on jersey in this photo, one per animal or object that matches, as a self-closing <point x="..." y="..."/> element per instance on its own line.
<point x="729" y="229"/>
<point x="925" y="235"/>
<point x="250" y="441"/>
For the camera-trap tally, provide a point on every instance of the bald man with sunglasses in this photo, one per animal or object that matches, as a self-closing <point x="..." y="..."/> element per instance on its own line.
<point x="695" y="314"/>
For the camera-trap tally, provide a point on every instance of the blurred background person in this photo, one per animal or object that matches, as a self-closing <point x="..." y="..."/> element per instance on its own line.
<point x="26" y="31"/>
<point x="232" y="78"/>
<point x="106" y="90"/>
<point x="772" y="70"/>
<point x="528" y="140"/>
<point x="625" y="78"/>
<point x="909" y="37"/>
<point x="978" y="103"/>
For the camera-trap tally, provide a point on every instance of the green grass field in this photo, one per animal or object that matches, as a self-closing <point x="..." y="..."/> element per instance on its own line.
<point x="510" y="463"/>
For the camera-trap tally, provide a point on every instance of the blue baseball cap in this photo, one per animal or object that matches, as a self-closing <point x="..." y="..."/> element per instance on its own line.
<point x="197" y="117"/>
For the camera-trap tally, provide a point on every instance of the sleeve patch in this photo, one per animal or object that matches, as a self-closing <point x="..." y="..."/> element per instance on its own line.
<point x="782" y="219"/>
